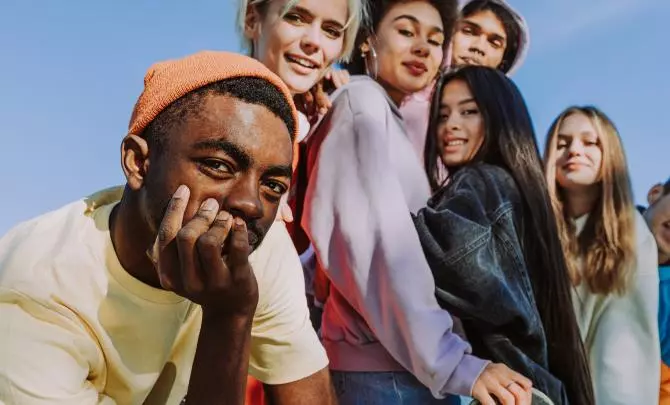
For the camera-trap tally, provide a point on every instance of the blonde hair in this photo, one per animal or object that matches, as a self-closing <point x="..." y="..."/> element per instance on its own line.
<point x="356" y="15"/>
<point x="603" y="255"/>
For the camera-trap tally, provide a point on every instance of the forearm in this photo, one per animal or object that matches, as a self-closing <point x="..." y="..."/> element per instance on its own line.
<point x="221" y="362"/>
<point x="313" y="390"/>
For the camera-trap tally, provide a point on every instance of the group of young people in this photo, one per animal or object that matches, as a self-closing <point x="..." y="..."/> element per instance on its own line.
<point x="381" y="232"/>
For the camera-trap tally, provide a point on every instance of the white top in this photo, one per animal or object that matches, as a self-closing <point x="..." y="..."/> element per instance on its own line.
<point x="620" y="333"/>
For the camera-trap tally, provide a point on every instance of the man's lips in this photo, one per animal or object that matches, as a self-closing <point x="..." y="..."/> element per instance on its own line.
<point x="467" y="60"/>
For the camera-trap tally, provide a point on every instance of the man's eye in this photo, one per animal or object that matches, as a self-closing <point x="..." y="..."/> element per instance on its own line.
<point x="276" y="187"/>
<point x="467" y="30"/>
<point x="218" y="165"/>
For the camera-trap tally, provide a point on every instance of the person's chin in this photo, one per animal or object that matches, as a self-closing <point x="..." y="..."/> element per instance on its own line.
<point x="578" y="182"/>
<point x="298" y="84"/>
<point x="413" y="84"/>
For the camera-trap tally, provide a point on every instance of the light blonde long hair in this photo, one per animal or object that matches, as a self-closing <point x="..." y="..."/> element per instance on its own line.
<point x="603" y="255"/>
<point x="357" y="12"/>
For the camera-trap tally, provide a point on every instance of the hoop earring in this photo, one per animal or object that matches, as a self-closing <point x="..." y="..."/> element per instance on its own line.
<point x="373" y="70"/>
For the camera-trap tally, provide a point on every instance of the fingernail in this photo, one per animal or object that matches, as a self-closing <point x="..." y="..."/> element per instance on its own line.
<point x="239" y="222"/>
<point x="210" y="204"/>
<point x="223" y="216"/>
<point x="182" y="192"/>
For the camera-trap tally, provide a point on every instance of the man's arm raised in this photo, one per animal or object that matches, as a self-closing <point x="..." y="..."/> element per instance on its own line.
<point x="190" y="262"/>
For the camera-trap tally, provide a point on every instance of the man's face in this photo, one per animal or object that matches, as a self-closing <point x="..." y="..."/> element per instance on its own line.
<point x="237" y="153"/>
<point x="658" y="219"/>
<point x="480" y="39"/>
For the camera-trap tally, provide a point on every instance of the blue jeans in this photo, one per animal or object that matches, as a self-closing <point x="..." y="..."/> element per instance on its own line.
<point x="384" y="388"/>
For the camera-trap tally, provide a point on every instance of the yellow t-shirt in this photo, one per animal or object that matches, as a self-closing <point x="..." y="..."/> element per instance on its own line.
<point x="76" y="328"/>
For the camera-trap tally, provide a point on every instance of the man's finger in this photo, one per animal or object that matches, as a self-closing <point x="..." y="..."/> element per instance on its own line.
<point x="167" y="231"/>
<point x="210" y="246"/>
<point x="239" y="249"/>
<point x="187" y="237"/>
<point x="174" y="216"/>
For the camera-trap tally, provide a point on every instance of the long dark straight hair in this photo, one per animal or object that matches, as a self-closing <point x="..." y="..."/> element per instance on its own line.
<point x="509" y="142"/>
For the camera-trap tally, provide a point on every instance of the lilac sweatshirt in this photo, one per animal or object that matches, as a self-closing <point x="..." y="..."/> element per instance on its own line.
<point x="382" y="314"/>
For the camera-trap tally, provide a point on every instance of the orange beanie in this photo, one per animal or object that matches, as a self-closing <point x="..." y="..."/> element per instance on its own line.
<point x="167" y="81"/>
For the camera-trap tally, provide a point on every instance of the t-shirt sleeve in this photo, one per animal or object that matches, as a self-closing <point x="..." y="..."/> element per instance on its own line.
<point x="284" y="345"/>
<point x="43" y="356"/>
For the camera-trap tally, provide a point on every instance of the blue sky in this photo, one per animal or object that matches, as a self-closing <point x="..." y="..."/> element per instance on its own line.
<point x="72" y="70"/>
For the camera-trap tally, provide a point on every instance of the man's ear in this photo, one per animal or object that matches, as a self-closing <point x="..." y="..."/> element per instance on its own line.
<point x="134" y="160"/>
<point x="655" y="194"/>
<point x="252" y="23"/>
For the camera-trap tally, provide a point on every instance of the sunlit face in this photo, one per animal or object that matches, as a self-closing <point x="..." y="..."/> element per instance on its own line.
<point x="460" y="132"/>
<point x="238" y="153"/>
<point x="578" y="153"/>
<point x="480" y="39"/>
<point x="409" y="47"/>
<point x="301" y="45"/>
<point x="658" y="218"/>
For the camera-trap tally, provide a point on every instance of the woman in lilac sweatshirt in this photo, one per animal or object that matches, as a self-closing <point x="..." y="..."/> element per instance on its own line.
<point x="385" y="334"/>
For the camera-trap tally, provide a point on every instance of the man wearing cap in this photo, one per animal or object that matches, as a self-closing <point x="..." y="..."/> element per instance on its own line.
<point x="179" y="281"/>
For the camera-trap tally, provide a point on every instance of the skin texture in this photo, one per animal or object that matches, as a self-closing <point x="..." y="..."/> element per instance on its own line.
<point x="480" y="39"/>
<point x="408" y="47"/>
<point x="189" y="218"/>
<point x="313" y="31"/>
<point x="460" y="132"/>
<point x="658" y="219"/>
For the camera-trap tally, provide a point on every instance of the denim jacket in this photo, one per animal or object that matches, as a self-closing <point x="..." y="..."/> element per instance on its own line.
<point x="470" y="233"/>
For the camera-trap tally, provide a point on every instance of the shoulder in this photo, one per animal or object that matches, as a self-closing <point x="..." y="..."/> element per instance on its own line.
<point x="493" y="184"/>
<point x="362" y="95"/>
<point x="38" y="256"/>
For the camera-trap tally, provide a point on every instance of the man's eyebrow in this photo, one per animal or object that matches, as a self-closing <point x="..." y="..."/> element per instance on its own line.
<point x="279" y="171"/>
<point x="471" y="24"/>
<point x="242" y="158"/>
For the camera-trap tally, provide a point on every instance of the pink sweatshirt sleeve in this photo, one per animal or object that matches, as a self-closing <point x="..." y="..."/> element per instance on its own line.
<point x="362" y="231"/>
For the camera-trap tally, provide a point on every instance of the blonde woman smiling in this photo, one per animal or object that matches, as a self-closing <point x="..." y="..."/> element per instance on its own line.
<point x="612" y="256"/>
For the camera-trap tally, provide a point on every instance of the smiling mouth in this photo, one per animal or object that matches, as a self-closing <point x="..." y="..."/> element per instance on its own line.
<point x="574" y="165"/>
<point x="301" y="61"/>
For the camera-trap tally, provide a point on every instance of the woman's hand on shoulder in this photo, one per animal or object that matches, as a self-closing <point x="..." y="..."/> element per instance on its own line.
<point x="499" y="382"/>
<point x="316" y="102"/>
